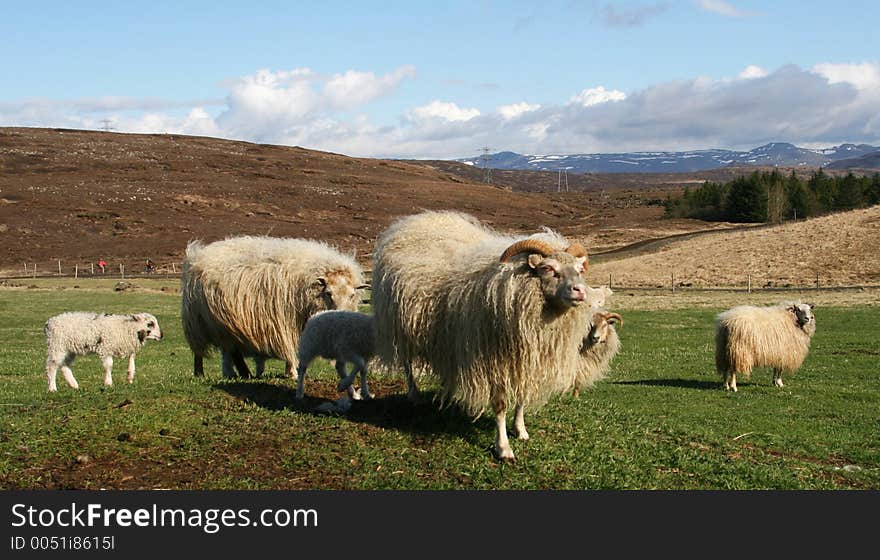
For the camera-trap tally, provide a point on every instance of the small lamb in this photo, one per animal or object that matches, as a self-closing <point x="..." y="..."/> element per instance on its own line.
<point x="80" y="333"/>
<point x="344" y="336"/>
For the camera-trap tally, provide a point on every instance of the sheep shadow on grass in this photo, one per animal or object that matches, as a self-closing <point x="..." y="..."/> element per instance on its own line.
<point x="680" y="383"/>
<point x="390" y="410"/>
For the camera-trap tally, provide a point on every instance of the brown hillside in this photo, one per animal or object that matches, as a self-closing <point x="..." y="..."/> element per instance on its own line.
<point x="80" y="195"/>
<point x="841" y="248"/>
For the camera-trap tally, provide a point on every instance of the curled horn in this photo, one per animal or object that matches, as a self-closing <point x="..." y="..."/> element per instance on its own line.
<point x="614" y="316"/>
<point x="576" y="250"/>
<point x="527" y="245"/>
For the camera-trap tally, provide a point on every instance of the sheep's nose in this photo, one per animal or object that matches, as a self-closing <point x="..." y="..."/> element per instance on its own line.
<point x="579" y="291"/>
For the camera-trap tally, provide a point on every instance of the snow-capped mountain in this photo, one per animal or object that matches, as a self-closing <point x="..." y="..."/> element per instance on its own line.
<point x="774" y="154"/>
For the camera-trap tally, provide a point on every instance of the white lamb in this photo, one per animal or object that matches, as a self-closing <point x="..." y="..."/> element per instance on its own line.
<point x="344" y="336"/>
<point x="80" y="333"/>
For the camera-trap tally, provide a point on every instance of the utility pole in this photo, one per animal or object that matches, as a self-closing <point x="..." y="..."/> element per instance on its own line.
<point x="486" y="159"/>
<point x="105" y="125"/>
<point x="562" y="181"/>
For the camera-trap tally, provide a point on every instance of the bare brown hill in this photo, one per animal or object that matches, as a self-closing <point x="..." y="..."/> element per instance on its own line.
<point x="78" y="196"/>
<point x="840" y="248"/>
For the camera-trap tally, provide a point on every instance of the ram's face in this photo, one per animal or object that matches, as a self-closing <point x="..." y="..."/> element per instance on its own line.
<point x="561" y="278"/>
<point x="338" y="290"/>
<point x="599" y="327"/>
<point x="148" y="327"/>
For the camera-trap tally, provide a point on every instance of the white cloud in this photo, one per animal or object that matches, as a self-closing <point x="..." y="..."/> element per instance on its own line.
<point x="722" y="8"/>
<point x="510" y="112"/>
<point x="354" y="88"/>
<point x="444" y="110"/>
<point x="596" y="95"/>
<point x="865" y="76"/>
<point x="751" y="71"/>
<point x="827" y="104"/>
<point x="630" y="15"/>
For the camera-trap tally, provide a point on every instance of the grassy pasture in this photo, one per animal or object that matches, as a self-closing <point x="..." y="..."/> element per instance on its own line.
<point x="660" y="421"/>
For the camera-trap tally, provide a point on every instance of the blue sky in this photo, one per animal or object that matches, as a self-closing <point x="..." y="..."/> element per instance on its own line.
<point x="440" y="79"/>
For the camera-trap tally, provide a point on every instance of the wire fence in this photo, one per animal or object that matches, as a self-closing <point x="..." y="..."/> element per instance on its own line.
<point x="87" y="269"/>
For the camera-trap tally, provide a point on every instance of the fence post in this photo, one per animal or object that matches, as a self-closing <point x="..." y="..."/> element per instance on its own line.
<point x="59" y="268"/>
<point x="609" y="280"/>
<point x="93" y="268"/>
<point x="750" y="283"/>
<point x="76" y="271"/>
<point x="673" y="281"/>
<point x="173" y="268"/>
<point x="35" y="270"/>
<point x="122" y="270"/>
<point x="25" y="268"/>
<point x="817" y="280"/>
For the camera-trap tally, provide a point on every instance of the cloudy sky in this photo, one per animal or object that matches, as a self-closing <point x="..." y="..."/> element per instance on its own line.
<point x="442" y="79"/>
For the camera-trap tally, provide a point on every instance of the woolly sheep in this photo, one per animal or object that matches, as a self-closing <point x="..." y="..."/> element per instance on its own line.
<point x="79" y="333"/>
<point x="747" y="337"/>
<point x="344" y="336"/>
<point x="597" y="297"/>
<point x="252" y="295"/>
<point x="600" y="345"/>
<point x="495" y="331"/>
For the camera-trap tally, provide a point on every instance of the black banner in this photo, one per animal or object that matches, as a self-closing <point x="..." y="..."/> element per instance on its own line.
<point x="232" y="523"/>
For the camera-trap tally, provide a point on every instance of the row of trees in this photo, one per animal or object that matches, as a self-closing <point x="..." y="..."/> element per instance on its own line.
<point x="771" y="196"/>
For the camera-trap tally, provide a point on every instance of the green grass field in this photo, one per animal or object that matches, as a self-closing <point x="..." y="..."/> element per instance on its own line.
<point x="660" y="421"/>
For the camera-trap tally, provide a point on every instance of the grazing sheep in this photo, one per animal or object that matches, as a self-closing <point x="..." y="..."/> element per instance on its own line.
<point x="747" y="337"/>
<point x="344" y="336"/>
<point x="498" y="319"/>
<point x="252" y="295"/>
<point x="79" y="333"/>
<point x="600" y="345"/>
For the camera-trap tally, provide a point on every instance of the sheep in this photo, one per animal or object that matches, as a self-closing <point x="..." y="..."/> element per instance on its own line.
<point x="252" y="295"/>
<point x="498" y="319"/>
<point x="777" y="336"/>
<point x="344" y="336"/>
<point x="597" y="297"/>
<point x="78" y="333"/>
<point x="600" y="345"/>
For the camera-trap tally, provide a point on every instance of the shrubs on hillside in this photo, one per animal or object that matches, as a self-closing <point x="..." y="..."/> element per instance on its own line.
<point x="771" y="196"/>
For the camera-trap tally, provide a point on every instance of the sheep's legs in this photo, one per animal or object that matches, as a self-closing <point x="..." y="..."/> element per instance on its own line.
<point x="730" y="381"/>
<point x="290" y="370"/>
<point x="107" y="362"/>
<point x="240" y="365"/>
<point x="198" y="366"/>
<point x="345" y="381"/>
<point x="502" y="444"/>
<point x="260" y="363"/>
<point x="412" y="391"/>
<point x="300" y="378"/>
<point x="777" y="377"/>
<point x="519" y="422"/>
<point x="131" y="368"/>
<point x="226" y="365"/>
<point x="52" y="365"/>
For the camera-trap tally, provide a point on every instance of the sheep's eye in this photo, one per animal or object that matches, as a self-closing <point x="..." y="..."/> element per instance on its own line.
<point x="150" y="324"/>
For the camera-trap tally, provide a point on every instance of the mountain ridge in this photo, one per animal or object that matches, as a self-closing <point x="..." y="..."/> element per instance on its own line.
<point x="780" y="154"/>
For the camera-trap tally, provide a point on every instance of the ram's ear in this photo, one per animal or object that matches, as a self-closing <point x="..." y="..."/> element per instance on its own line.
<point x="534" y="260"/>
<point x="321" y="281"/>
<point x="811" y="305"/>
<point x="362" y="287"/>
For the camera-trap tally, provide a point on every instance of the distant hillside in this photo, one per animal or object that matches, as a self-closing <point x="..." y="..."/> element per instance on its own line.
<point x="869" y="161"/>
<point x="840" y="248"/>
<point x="775" y="154"/>
<point x="77" y="196"/>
